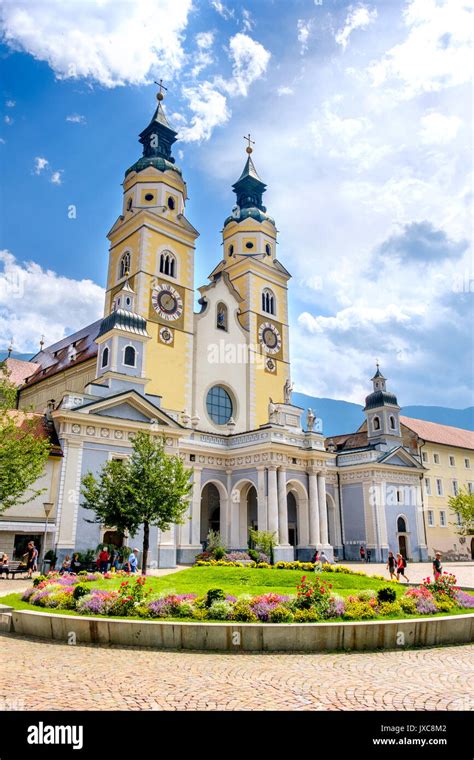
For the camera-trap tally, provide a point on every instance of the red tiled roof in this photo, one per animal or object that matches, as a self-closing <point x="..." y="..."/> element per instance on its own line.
<point x="356" y="440"/>
<point x="57" y="358"/>
<point x="435" y="433"/>
<point x="42" y="429"/>
<point x="19" y="370"/>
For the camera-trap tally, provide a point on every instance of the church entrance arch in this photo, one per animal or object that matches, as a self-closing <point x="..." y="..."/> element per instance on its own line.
<point x="298" y="516"/>
<point x="210" y="510"/>
<point x="244" y="513"/>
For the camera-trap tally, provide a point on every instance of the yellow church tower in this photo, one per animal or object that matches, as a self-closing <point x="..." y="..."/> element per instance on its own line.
<point x="250" y="261"/>
<point x="152" y="244"/>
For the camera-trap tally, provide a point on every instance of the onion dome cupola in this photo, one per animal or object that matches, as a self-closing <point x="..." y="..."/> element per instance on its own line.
<point x="157" y="140"/>
<point x="249" y="190"/>
<point x="382" y="412"/>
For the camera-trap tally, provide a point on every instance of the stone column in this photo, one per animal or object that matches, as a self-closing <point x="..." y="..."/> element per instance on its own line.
<point x="314" y="535"/>
<point x="262" y="499"/>
<point x="323" y="510"/>
<point x="226" y="514"/>
<point x="196" y="508"/>
<point x="272" y="500"/>
<point x="234" y="530"/>
<point x="282" y="508"/>
<point x="378" y="496"/>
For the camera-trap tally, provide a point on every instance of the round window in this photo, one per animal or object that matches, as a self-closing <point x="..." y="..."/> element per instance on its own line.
<point x="249" y="245"/>
<point x="219" y="405"/>
<point x="149" y="197"/>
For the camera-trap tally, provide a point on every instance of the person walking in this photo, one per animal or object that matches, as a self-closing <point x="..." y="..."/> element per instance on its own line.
<point x="104" y="557"/>
<point x="362" y="554"/>
<point x="133" y="561"/>
<point x="391" y="565"/>
<point x="30" y="555"/>
<point x="368" y="555"/>
<point x="401" y="566"/>
<point x="35" y="560"/>
<point x="437" y="568"/>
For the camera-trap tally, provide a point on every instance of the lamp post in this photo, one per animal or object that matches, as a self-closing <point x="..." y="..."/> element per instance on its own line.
<point x="48" y="507"/>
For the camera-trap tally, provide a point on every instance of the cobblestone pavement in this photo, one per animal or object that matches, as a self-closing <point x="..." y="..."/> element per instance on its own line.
<point x="36" y="675"/>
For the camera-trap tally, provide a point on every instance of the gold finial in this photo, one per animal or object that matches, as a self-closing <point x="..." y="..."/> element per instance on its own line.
<point x="248" y="148"/>
<point x="160" y="95"/>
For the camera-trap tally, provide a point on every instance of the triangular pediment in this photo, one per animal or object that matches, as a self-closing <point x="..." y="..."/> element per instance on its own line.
<point x="129" y="405"/>
<point x="399" y="457"/>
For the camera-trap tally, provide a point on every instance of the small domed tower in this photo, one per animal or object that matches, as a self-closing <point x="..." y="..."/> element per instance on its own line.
<point x="382" y="413"/>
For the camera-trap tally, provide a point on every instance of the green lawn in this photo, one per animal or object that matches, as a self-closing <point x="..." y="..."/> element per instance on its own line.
<point x="236" y="581"/>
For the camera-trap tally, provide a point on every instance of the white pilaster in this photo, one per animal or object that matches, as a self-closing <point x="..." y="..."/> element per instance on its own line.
<point x="323" y="510"/>
<point x="196" y="508"/>
<point x="314" y="534"/>
<point x="282" y="508"/>
<point x="272" y="500"/>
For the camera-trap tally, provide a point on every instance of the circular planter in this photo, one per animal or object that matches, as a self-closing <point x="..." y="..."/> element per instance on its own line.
<point x="246" y="637"/>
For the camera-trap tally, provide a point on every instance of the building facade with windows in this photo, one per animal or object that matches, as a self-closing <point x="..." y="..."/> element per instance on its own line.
<point x="447" y="453"/>
<point x="216" y="384"/>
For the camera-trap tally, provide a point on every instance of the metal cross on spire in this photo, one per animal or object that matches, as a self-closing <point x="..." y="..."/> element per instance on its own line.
<point x="160" y="95"/>
<point x="248" y="148"/>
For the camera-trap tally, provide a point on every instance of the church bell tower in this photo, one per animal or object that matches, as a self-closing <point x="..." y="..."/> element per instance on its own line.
<point x="152" y="247"/>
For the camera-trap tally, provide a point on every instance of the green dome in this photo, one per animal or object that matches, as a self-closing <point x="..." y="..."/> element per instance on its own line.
<point x="249" y="213"/>
<point x="380" y="398"/>
<point x="123" y="320"/>
<point x="162" y="164"/>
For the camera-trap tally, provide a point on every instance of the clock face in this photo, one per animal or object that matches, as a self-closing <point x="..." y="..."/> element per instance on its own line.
<point x="269" y="338"/>
<point x="167" y="302"/>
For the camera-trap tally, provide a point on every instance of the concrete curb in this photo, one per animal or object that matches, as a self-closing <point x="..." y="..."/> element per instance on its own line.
<point x="246" y="637"/>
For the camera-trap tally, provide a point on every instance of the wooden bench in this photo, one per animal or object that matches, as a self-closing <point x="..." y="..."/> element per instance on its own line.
<point x="13" y="569"/>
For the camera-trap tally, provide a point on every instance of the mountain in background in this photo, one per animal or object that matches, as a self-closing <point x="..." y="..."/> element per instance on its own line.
<point x="340" y="417"/>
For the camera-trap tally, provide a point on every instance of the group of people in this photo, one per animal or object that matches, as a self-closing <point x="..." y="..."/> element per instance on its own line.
<point x="365" y="554"/>
<point x="31" y="556"/>
<point x="105" y="561"/>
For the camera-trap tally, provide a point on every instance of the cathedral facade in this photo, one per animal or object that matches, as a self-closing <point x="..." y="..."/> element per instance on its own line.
<point x="216" y="384"/>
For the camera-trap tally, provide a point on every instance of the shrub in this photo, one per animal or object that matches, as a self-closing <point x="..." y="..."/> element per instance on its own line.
<point x="313" y="593"/>
<point x="253" y="554"/>
<point x="444" y="586"/>
<point x="306" y="616"/>
<point x="389" y="608"/>
<point x="242" y="611"/>
<point x="220" y="610"/>
<point x="214" y="541"/>
<point x="366" y="595"/>
<point x="336" y="607"/>
<point x="408" y="605"/>
<point x="39" y="579"/>
<point x="263" y="566"/>
<point x="444" y="606"/>
<point x="355" y="610"/>
<point x="281" y="614"/>
<point x="184" y="610"/>
<point x="80" y="590"/>
<point x="214" y="595"/>
<point x="386" y="594"/>
<point x="219" y="552"/>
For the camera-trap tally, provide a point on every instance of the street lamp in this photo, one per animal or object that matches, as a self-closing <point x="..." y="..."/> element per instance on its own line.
<point x="48" y="507"/>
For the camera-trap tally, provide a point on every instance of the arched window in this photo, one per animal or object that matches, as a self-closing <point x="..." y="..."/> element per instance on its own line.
<point x="268" y="249"/>
<point x="376" y="423"/>
<point x="221" y="316"/>
<point x="171" y="203"/>
<point x="392" y="423"/>
<point x="168" y="264"/>
<point x="129" y="204"/>
<point x="124" y="268"/>
<point x="129" y="356"/>
<point x="401" y="525"/>
<point x="105" y="356"/>
<point x="268" y="301"/>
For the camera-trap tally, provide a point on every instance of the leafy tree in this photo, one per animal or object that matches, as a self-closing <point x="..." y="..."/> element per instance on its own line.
<point x="264" y="541"/>
<point x="463" y="504"/>
<point x="149" y="488"/>
<point x="23" y="453"/>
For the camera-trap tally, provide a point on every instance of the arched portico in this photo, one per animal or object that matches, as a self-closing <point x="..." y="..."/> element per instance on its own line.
<point x="297" y="506"/>
<point x="244" y="513"/>
<point x="213" y="515"/>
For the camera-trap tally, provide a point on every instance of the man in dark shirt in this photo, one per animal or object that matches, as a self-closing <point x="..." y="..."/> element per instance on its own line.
<point x="437" y="569"/>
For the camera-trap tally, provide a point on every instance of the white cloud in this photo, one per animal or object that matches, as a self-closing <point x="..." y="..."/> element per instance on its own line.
<point x="56" y="177"/>
<point x="40" y="164"/>
<point x="110" y="42"/>
<point x="437" y="129"/>
<point x="222" y="10"/>
<point x="284" y="90"/>
<point x="203" y="57"/>
<point x="32" y="303"/>
<point x="435" y="54"/>
<point x="76" y="118"/>
<point x="247" y="21"/>
<point x="304" y="32"/>
<point x="207" y="100"/>
<point x="210" y="111"/>
<point x="10" y="103"/>
<point x="8" y="120"/>
<point x="359" y="17"/>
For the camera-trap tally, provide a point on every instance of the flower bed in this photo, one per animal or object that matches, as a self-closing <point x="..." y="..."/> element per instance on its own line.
<point x="314" y="600"/>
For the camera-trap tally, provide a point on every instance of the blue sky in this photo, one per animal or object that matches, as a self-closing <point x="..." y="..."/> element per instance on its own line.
<point x="360" y="114"/>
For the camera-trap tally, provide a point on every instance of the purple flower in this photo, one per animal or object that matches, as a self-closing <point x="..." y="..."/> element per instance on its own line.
<point x="425" y="606"/>
<point x="336" y="608"/>
<point x="28" y="593"/>
<point x="230" y="598"/>
<point x="237" y="557"/>
<point x="159" y="608"/>
<point x="463" y="599"/>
